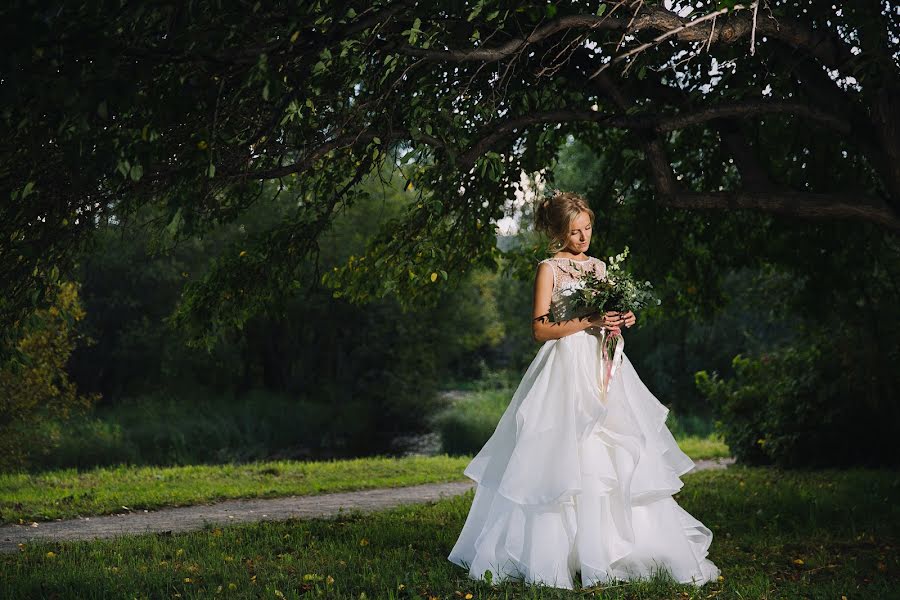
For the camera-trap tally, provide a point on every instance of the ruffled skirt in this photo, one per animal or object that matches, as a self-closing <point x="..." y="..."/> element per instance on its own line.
<point x="568" y="483"/>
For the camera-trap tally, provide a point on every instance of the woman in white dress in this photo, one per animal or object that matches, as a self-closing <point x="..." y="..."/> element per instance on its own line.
<point x="576" y="479"/>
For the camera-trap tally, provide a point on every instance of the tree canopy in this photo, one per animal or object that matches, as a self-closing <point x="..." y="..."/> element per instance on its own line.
<point x="781" y="107"/>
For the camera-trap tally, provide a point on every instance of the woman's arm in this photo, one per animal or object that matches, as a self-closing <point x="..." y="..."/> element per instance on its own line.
<point x="542" y="328"/>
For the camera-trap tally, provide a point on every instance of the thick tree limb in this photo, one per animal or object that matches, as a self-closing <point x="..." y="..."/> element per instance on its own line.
<point x="795" y="204"/>
<point x="510" y="48"/>
<point x="652" y="123"/>
<point x="660" y="168"/>
<point x="825" y="46"/>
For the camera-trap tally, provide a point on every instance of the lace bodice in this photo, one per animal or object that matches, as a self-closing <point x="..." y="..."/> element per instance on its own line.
<point x="566" y="279"/>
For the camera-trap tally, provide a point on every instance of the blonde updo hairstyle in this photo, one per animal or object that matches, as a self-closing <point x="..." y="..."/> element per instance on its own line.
<point x="554" y="215"/>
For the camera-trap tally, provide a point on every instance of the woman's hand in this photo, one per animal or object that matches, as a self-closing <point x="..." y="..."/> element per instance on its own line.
<point x="612" y="320"/>
<point x="609" y="320"/>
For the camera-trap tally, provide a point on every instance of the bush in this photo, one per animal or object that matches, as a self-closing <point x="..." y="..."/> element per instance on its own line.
<point x="809" y="404"/>
<point x="34" y="385"/>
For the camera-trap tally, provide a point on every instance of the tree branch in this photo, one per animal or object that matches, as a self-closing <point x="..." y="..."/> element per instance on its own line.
<point x="343" y="141"/>
<point x="823" y="45"/>
<point x="510" y="48"/>
<point x="796" y="204"/>
<point x="652" y="123"/>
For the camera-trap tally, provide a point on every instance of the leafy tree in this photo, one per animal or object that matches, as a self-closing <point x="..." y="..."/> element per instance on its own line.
<point x="192" y="107"/>
<point x="39" y="387"/>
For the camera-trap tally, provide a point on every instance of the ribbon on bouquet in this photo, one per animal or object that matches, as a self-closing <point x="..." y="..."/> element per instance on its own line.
<point x="609" y="361"/>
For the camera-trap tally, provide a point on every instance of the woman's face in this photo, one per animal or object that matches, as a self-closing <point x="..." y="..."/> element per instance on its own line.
<point x="580" y="233"/>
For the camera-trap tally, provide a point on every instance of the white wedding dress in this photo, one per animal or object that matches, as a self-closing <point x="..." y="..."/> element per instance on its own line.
<point x="572" y="481"/>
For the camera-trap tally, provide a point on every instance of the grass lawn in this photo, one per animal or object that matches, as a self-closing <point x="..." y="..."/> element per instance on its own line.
<point x="68" y="493"/>
<point x="698" y="447"/>
<point x="778" y="534"/>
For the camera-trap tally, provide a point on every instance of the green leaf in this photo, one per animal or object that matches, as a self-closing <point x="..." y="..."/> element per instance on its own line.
<point x="476" y="11"/>
<point x="27" y="189"/>
<point x="211" y="171"/>
<point x="601" y="10"/>
<point x="175" y="223"/>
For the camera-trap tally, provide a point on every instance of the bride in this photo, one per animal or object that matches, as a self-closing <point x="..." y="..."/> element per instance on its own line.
<point x="575" y="478"/>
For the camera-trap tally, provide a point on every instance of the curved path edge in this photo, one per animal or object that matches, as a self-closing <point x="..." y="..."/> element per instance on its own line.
<point x="191" y="518"/>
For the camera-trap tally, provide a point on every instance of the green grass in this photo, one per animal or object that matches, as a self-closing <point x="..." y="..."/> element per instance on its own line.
<point x="698" y="447"/>
<point x="68" y="493"/>
<point x="842" y="525"/>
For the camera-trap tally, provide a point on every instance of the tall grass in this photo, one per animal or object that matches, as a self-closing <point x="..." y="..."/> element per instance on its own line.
<point x="195" y="429"/>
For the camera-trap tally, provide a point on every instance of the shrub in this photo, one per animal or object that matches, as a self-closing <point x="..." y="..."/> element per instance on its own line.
<point x="34" y="385"/>
<point x="806" y="404"/>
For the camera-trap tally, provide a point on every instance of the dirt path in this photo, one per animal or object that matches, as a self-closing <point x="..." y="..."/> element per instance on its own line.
<point x="188" y="518"/>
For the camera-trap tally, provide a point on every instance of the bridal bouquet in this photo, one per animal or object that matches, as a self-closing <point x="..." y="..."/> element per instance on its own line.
<point x="618" y="291"/>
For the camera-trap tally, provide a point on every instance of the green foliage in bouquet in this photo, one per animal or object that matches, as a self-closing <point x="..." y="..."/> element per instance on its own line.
<point x="618" y="291"/>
